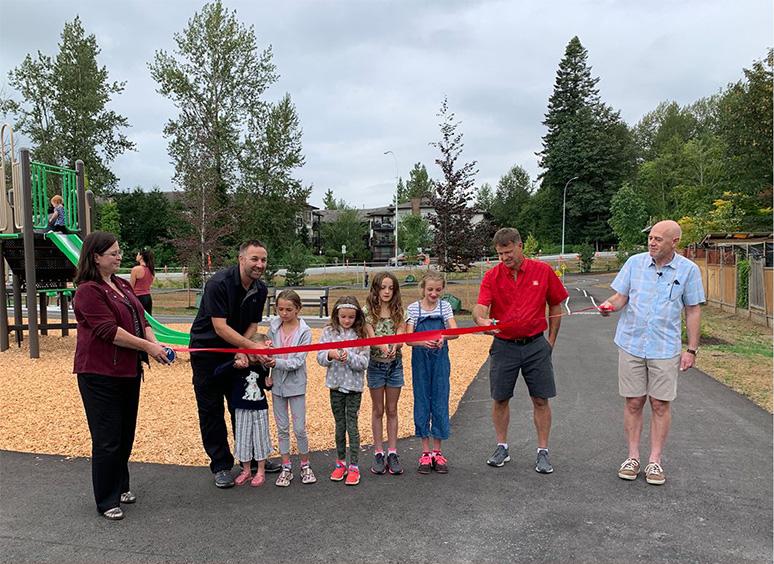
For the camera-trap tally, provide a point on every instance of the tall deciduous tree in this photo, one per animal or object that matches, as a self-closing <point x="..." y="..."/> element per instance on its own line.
<point x="745" y="124"/>
<point x="452" y="223"/>
<point x="346" y="230"/>
<point x="215" y="78"/>
<point x="64" y="108"/>
<point x="414" y="233"/>
<point x="588" y="140"/>
<point x="629" y="216"/>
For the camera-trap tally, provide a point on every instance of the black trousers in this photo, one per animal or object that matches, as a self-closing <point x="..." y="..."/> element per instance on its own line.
<point x="210" y="393"/>
<point x="147" y="303"/>
<point x="111" y="410"/>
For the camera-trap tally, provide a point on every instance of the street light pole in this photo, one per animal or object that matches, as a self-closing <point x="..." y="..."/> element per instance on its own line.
<point x="564" y="205"/>
<point x="395" y="159"/>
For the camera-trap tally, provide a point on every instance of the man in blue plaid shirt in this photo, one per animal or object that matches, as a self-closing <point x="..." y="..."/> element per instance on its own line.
<point x="651" y="291"/>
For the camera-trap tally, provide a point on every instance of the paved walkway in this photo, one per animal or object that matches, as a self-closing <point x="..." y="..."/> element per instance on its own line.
<point x="715" y="507"/>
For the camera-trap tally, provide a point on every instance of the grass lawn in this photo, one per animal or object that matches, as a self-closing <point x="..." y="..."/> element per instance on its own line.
<point x="738" y="353"/>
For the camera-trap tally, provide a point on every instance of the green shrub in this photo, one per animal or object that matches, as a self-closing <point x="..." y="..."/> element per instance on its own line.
<point x="586" y="252"/>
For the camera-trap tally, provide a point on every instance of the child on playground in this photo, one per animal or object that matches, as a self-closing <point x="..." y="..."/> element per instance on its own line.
<point x="289" y="391"/>
<point x="251" y="414"/>
<point x="430" y="370"/>
<point x="344" y="378"/>
<point x="57" y="218"/>
<point x="384" y="316"/>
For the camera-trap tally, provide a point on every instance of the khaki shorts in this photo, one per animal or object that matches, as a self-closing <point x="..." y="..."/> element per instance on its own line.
<point x="639" y="377"/>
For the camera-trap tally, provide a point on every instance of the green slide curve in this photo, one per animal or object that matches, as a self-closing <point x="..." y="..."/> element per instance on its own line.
<point x="71" y="245"/>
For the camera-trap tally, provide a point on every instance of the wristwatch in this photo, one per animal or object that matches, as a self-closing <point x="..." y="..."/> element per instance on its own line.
<point x="692" y="351"/>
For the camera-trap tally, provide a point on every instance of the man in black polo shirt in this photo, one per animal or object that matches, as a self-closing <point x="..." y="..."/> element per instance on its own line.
<point x="228" y="316"/>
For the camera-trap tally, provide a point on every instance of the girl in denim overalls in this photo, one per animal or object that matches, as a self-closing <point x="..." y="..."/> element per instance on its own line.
<point x="430" y="371"/>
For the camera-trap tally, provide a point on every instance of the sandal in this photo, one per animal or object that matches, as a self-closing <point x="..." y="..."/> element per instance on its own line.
<point x="283" y="480"/>
<point x="258" y="480"/>
<point x="244" y="476"/>
<point x="307" y="476"/>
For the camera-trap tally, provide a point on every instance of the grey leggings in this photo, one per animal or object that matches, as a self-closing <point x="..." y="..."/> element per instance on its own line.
<point x="297" y="407"/>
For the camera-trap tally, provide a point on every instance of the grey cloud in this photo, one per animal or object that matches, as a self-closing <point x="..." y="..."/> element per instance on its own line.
<point x="368" y="77"/>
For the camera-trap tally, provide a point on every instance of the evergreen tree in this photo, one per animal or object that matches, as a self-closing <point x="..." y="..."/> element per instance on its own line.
<point x="418" y="185"/>
<point x="585" y="139"/>
<point x="329" y="200"/>
<point x="270" y="200"/>
<point x="401" y="191"/>
<point x="63" y="108"/>
<point x="215" y="78"/>
<point x="485" y="198"/>
<point x="453" y="242"/>
<point x="513" y="192"/>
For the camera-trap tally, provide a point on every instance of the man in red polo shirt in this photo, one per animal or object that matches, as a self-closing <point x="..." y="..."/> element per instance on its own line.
<point x="515" y="293"/>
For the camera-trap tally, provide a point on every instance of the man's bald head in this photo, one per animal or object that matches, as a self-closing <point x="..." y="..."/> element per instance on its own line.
<point x="672" y="228"/>
<point x="663" y="239"/>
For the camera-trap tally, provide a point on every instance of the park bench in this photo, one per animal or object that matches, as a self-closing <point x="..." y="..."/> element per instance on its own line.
<point x="310" y="297"/>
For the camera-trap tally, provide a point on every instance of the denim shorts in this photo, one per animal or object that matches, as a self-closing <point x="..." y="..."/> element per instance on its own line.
<point x="381" y="374"/>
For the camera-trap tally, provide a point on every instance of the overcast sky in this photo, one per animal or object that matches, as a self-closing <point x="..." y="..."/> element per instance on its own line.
<point x="369" y="76"/>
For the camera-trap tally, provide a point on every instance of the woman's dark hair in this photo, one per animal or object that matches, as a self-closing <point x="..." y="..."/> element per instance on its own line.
<point x="147" y="257"/>
<point x="94" y="244"/>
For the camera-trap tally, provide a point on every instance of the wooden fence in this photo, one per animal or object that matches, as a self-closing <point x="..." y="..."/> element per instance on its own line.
<point x="719" y="277"/>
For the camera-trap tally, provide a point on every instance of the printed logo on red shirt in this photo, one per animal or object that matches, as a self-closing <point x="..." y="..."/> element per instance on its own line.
<point x="535" y="283"/>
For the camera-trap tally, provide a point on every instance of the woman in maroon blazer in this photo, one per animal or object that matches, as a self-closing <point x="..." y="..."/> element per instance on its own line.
<point x="113" y="341"/>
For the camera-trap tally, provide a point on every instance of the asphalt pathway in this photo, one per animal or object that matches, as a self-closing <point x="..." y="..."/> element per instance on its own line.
<point x="715" y="507"/>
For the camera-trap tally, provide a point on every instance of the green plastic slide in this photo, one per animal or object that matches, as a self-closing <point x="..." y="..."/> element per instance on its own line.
<point x="71" y="245"/>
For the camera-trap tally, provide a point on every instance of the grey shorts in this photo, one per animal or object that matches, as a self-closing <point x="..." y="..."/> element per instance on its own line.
<point x="533" y="360"/>
<point x="639" y="377"/>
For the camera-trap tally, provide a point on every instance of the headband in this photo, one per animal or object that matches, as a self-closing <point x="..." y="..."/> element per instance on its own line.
<point x="346" y="306"/>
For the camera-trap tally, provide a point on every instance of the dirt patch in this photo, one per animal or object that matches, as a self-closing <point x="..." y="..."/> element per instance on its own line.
<point x="43" y="413"/>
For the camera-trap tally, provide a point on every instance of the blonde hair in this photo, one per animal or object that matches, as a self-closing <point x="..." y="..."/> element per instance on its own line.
<point x="259" y="338"/>
<point x="431" y="275"/>
<point x="57" y="200"/>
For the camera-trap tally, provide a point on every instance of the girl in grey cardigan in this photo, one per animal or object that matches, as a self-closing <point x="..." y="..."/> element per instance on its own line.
<point x="289" y="391"/>
<point x="345" y="379"/>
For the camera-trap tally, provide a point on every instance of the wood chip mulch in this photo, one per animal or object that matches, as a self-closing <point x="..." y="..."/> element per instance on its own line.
<point x="42" y="410"/>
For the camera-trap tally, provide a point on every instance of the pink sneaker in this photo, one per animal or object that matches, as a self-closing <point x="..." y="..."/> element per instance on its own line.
<point x="425" y="463"/>
<point x="244" y="476"/>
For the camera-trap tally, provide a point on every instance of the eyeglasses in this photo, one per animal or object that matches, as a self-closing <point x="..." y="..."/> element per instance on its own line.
<point x="114" y="254"/>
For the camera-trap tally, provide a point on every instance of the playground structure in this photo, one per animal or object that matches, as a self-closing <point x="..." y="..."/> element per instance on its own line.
<point x="42" y="261"/>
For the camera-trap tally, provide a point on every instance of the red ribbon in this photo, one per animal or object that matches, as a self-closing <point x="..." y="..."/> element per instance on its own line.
<point x="371" y="342"/>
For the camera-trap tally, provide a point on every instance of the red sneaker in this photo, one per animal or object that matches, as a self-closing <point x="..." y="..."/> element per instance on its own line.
<point x="353" y="476"/>
<point x="339" y="472"/>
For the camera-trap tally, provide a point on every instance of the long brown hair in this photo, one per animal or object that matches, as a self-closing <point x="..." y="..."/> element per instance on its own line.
<point x="147" y="258"/>
<point x="359" y="325"/>
<point x="95" y="243"/>
<point x="375" y="304"/>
